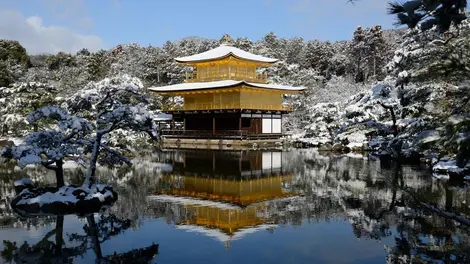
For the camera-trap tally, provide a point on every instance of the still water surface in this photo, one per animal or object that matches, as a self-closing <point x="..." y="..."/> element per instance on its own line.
<point x="247" y="207"/>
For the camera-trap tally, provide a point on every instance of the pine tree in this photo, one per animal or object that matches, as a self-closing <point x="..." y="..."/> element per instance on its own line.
<point x="429" y="13"/>
<point x="271" y="46"/>
<point x="317" y="55"/>
<point x="376" y="51"/>
<point x="358" y="53"/>
<point x="243" y="43"/>
<point x="5" y="75"/>
<point x="96" y="66"/>
<point x="295" y="50"/>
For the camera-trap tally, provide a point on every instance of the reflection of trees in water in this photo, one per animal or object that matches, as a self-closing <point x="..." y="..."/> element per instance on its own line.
<point x="368" y="194"/>
<point x="131" y="181"/>
<point x="58" y="250"/>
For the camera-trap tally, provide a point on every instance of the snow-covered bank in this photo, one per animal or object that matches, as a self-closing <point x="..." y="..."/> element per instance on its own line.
<point x="33" y="200"/>
<point x="426" y="129"/>
<point x="418" y="112"/>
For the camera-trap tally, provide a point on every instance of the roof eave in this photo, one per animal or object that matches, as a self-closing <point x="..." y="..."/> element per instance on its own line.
<point x="299" y="89"/>
<point x="179" y="60"/>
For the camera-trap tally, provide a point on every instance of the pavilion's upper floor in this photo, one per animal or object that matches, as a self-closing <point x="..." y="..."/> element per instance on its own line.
<point x="226" y="62"/>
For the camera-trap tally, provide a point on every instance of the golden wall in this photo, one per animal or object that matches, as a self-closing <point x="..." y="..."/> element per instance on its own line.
<point x="236" y="192"/>
<point x="239" y="98"/>
<point x="226" y="69"/>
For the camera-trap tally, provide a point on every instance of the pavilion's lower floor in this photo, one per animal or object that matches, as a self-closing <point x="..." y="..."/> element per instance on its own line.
<point x="226" y="125"/>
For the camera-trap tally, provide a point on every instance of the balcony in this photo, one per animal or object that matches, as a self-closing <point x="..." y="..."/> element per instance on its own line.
<point x="221" y="75"/>
<point x="222" y="134"/>
<point x="242" y="106"/>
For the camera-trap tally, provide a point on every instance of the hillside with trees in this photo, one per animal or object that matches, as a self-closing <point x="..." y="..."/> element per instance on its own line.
<point x="318" y="65"/>
<point x="402" y="93"/>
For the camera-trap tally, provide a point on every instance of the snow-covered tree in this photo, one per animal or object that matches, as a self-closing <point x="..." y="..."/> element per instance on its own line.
<point x="358" y="53"/>
<point x="18" y="101"/>
<point x="14" y="61"/>
<point x="295" y="50"/>
<point x="50" y="147"/>
<point x="376" y="50"/>
<point x="271" y="46"/>
<point x="243" y="43"/>
<point x="427" y="14"/>
<point x="430" y="56"/>
<point x="95" y="64"/>
<point x="113" y="103"/>
<point x="317" y="55"/>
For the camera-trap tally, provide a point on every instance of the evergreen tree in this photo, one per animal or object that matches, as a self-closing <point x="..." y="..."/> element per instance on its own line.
<point x="358" y="53"/>
<point x="96" y="66"/>
<point x="429" y="13"/>
<point x="376" y="50"/>
<point x="243" y="43"/>
<point x="295" y="50"/>
<point x="5" y="75"/>
<point x="14" y="61"/>
<point x="317" y="54"/>
<point x="59" y="60"/>
<point x="271" y="46"/>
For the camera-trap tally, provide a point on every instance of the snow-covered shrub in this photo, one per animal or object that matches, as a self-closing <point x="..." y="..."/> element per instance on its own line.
<point x="18" y="101"/>
<point x="112" y="104"/>
<point x="50" y="147"/>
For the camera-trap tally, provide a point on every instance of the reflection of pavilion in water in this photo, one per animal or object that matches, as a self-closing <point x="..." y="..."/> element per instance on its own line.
<point x="225" y="194"/>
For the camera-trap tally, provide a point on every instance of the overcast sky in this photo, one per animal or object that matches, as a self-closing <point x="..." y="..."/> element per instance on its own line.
<point x="49" y="26"/>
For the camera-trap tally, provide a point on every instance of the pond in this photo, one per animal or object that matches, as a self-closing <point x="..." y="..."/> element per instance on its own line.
<point x="296" y="206"/>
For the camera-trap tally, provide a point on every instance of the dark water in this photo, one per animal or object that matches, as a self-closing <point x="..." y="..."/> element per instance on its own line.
<point x="248" y="207"/>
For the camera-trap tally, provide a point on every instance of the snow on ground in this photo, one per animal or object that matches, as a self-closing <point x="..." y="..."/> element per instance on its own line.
<point x="66" y="194"/>
<point x="447" y="164"/>
<point x="17" y="141"/>
<point x="440" y="176"/>
<point x="70" y="164"/>
<point x="23" y="182"/>
<point x="428" y="136"/>
<point x="355" y="155"/>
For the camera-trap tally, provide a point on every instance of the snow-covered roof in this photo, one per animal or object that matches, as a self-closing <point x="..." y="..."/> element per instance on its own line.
<point x="192" y="201"/>
<point x="225" y="51"/>
<point x="220" y="84"/>
<point x="163" y="117"/>
<point x="222" y="237"/>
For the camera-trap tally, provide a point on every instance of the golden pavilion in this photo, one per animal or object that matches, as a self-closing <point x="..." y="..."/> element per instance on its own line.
<point x="226" y="95"/>
<point x="225" y="196"/>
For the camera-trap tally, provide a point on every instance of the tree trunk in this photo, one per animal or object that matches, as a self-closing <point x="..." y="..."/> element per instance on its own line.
<point x="5" y="130"/>
<point x="94" y="237"/>
<point x="394" y="119"/>
<point x="375" y="65"/>
<point x="59" y="173"/>
<point x="59" y="241"/>
<point x="90" y="175"/>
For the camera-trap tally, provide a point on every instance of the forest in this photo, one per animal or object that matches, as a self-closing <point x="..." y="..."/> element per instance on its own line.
<point x="401" y="92"/>
<point x="81" y="130"/>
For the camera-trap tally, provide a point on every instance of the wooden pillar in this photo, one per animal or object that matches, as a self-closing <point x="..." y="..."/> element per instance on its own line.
<point x="240" y="126"/>
<point x="213" y="161"/>
<point x="213" y="125"/>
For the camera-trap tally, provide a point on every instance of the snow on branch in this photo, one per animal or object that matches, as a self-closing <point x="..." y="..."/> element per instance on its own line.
<point x="136" y="118"/>
<point x="100" y="96"/>
<point x="47" y="147"/>
<point x="65" y="120"/>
